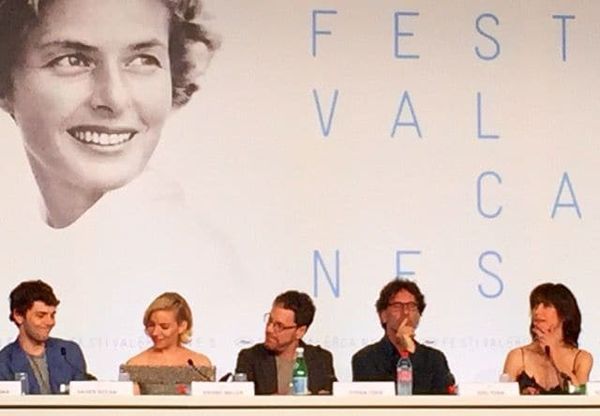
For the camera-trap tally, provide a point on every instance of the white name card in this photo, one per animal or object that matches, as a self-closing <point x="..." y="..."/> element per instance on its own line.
<point x="101" y="388"/>
<point x="10" y="388"/>
<point x="488" y="389"/>
<point x="592" y="388"/>
<point x="364" y="388"/>
<point x="238" y="388"/>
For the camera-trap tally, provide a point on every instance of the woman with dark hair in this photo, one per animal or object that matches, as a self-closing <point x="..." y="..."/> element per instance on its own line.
<point x="90" y="85"/>
<point x="553" y="359"/>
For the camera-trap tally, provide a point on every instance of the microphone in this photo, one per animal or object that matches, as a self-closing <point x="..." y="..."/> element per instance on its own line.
<point x="202" y="374"/>
<point x="86" y="376"/>
<point x="225" y="377"/>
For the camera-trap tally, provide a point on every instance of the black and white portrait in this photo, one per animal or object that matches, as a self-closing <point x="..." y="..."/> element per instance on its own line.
<point x="90" y="85"/>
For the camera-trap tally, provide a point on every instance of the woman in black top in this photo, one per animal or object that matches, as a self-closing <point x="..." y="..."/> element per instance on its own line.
<point x="553" y="359"/>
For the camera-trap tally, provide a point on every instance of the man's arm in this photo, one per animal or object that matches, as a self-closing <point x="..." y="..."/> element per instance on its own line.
<point x="79" y="362"/>
<point x="330" y="369"/>
<point x="322" y="363"/>
<point x="244" y="364"/>
<point x="360" y="368"/>
<point x="6" y="373"/>
<point x="66" y="362"/>
<point x="441" y="375"/>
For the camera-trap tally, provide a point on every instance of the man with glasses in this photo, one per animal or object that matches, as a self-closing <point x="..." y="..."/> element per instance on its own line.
<point x="269" y="364"/>
<point x="399" y="307"/>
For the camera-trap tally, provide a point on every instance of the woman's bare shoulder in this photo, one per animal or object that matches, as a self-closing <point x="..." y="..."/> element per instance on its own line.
<point x="514" y="363"/>
<point x="142" y="358"/>
<point x="200" y="360"/>
<point x="517" y="352"/>
<point x="584" y="357"/>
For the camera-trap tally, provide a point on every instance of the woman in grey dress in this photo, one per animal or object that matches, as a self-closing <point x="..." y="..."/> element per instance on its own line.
<point x="168" y="323"/>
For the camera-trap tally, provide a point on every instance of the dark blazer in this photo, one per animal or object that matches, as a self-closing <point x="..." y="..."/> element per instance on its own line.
<point x="377" y="362"/>
<point x="259" y="365"/>
<point x="65" y="363"/>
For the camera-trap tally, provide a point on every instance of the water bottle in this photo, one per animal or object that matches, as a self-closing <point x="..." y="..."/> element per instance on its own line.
<point x="404" y="375"/>
<point x="22" y="377"/>
<point x="300" y="374"/>
<point x="123" y="375"/>
<point x="240" y="377"/>
<point x="581" y="389"/>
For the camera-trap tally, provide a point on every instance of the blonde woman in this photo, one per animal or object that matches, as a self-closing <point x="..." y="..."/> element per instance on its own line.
<point x="168" y="323"/>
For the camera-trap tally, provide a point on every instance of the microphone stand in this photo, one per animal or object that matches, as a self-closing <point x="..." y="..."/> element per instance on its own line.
<point x="86" y="376"/>
<point x="202" y="374"/>
<point x="563" y="378"/>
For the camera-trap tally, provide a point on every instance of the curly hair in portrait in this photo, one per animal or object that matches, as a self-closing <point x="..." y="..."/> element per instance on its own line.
<point x="190" y="44"/>
<point x="559" y="296"/>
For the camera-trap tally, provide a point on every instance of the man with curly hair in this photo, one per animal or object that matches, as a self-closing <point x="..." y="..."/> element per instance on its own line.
<point x="50" y="363"/>
<point x="400" y="306"/>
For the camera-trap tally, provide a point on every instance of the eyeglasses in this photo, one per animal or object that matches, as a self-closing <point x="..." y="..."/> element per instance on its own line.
<point x="406" y="306"/>
<point x="277" y="326"/>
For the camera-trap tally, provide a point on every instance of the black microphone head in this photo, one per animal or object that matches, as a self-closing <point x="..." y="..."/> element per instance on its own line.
<point x="225" y="377"/>
<point x="547" y="350"/>
<point x="81" y="371"/>
<point x="190" y="362"/>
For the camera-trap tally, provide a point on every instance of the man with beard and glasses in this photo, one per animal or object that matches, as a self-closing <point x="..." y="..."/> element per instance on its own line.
<point x="269" y="364"/>
<point x="400" y="306"/>
<point x="50" y="363"/>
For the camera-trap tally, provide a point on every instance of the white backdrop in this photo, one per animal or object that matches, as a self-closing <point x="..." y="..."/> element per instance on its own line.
<point x="470" y="167"/>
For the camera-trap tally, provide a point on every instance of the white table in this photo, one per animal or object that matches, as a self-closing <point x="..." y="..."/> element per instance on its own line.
<point x="284" y="406"/>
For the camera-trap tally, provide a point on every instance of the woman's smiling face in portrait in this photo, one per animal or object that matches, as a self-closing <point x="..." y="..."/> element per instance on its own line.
<point x="91" y="93"/>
